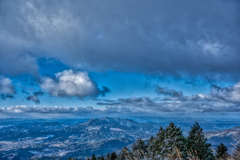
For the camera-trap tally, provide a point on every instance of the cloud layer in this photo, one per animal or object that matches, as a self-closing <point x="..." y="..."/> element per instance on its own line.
<point x="69" y="83"/>
<point x="219" y="100"/>
<point x="171" y="37"/>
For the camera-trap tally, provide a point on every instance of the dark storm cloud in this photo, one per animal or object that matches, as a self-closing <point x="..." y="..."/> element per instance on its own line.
<point x="170" y="37"/>
<point x="168" y="92"/>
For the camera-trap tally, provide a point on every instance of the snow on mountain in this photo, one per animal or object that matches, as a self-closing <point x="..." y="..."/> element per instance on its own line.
<point x="41" y="138"/>
<point x="227" y="136"/>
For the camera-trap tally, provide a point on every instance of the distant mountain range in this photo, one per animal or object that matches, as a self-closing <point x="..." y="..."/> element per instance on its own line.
<point x="227" y="136"/>
<point x="40" y="139"/>
<point x="78" y="138"/>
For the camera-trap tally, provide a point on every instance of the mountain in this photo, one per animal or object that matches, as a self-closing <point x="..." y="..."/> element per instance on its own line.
<point x="110" y="128"/>
<point x="40" y="139"/>
<point x="227" y="136"/>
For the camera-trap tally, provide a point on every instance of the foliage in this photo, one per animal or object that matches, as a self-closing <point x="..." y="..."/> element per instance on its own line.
<point x="139" y="145"/>
<point x="113" y="156"/>
<point x="123" y="154"/>
<point x="221" y="152"/>
<point x="197" y="144"/>
<point x="93" y="157"/>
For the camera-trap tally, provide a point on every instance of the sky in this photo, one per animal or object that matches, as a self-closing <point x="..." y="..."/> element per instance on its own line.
<point x="76" y="58"/>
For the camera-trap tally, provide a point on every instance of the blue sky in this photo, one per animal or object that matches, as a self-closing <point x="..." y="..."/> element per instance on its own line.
<point x="119" y="57"/>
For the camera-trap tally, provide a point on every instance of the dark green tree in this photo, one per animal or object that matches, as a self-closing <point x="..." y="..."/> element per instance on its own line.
<point x="124" y="154"/>
<point x="113" y="156"/>
<point x="221" y="152"/>
<point x="139" y="145"/>
<point x="170" y="142"/>
<point x="197" y="144"/>
<point x="102" y="158"/>
<point x="93" y="157"/>
<point x="159" y="142"/>
<point x="151" y="147"/>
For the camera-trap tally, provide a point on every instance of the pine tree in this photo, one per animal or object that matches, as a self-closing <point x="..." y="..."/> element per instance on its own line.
<point x="113" y="156"/>
<point x="93" y="157"/>
<point x="160" y="143"/>
<point x="139" y="145"/>
<point x="108" y="157"/>
<point x="197" y="145"/>
<point x="221" y="152"/>
<point x="170" y="140"/>
<point x="102" y="158"/>
<point x="151" y="148"/>
<point x="123" y="154"/>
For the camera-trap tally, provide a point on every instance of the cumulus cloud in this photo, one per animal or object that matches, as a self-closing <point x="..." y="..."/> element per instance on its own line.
<point x="69" y="83"/>
<point x="151" y="37"/>
<point x="7" y="90"/>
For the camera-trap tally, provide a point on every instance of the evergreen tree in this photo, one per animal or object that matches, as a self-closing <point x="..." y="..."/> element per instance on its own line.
<point x="151" y="148"/>
<point x="170" y="140"/>
<point x="139" y="145"/>
<point x="102" y="158"/>
<point x="221" y="152"/>
<point x="124" y="154"/>
<point x="108" y="157"/>
<point x="197" y="145"/>
<point x="159" y="142"/>
<point x="93" y="157"/>
<point x="236" y="153"/>
<point x="113" y="156"/>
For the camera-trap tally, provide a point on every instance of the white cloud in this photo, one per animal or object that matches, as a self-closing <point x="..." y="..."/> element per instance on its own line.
<point x="70" y="83"/>
<point x="6" y="86"/>
<point x="230" y="94"/>
<point x="36" y="109"/>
